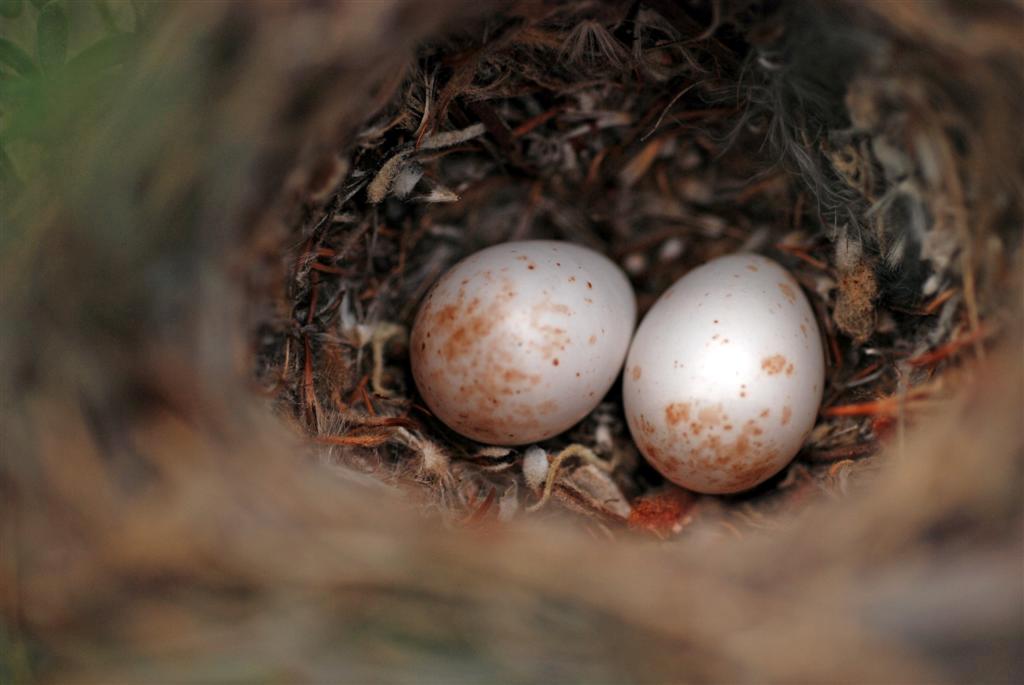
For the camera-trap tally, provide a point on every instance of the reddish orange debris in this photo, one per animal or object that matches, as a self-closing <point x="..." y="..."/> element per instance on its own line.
<point x="663" y="512"/>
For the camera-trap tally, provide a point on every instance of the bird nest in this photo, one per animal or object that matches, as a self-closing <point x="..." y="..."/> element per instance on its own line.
<point x="662" y="139"/>
<point x="225" y="491"/>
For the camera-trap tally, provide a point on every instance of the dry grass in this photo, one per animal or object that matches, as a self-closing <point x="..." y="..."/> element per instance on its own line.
<point x="163" y="521"/>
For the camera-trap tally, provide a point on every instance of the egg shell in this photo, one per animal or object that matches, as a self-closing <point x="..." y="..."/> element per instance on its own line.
<point x="725" y="375"/>
<point x="521" y="340"/>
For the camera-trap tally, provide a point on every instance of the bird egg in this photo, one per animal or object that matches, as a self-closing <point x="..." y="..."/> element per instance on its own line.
<point x="521" y="340"/>
<point x="725" y="375"/>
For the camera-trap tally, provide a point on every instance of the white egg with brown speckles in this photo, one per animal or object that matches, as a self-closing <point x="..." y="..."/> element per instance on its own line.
<point x="519" y="341"/>
<point x="725" y="375"/>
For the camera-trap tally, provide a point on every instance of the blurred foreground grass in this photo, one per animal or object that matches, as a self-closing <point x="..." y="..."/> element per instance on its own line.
<point x="60" y="63"/>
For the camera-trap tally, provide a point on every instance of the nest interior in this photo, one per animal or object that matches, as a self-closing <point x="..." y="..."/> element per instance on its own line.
<point x="217" y="440"/>
<point x="623" y="127"/>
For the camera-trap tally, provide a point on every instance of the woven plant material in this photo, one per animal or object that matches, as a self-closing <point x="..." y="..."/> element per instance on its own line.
<point x="216" y="466"/>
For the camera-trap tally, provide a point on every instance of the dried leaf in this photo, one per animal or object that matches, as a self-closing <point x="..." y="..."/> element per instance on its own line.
<point x="381" y="183"/>
<point x="597" y="486"/>
<point x="437" y="195"/>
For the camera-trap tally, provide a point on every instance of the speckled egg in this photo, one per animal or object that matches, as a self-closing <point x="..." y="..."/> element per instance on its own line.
<point x="519" y="341"/>
<point x="725" y="375"/>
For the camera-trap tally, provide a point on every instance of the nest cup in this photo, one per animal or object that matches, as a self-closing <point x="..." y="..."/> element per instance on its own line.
<point x="217" y="465"/>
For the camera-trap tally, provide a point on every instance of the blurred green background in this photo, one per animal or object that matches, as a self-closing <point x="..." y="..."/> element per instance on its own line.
<point x="58" y="60"/>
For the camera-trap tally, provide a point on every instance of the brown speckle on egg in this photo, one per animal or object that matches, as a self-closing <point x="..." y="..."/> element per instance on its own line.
<point x="774" y="364"/>
<point x="711" y="416"/>
<point x="677" y="412"/>
<point x="788" y="291"/>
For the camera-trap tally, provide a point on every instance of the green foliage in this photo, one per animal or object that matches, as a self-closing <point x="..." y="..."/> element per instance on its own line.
<point x="52" y="36"/>
<point x="17" y="59"/>
<point x="10" y="9"/>
<point x="43" y="90"/>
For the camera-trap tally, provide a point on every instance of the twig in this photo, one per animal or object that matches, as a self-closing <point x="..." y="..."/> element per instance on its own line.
<point x="949" y="349"/>
<point x="939" y="300"/>
<point x="889" y="406"/>
<point x="801" y="254"/>
<point x="362" y="440"/>
<point x="863" y="449"/>
<point x="533" y="122"/>
<point x="671" y="103"/>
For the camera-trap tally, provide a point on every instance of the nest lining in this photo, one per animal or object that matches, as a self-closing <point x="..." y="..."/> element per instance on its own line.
<point x="662" y="139"/>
